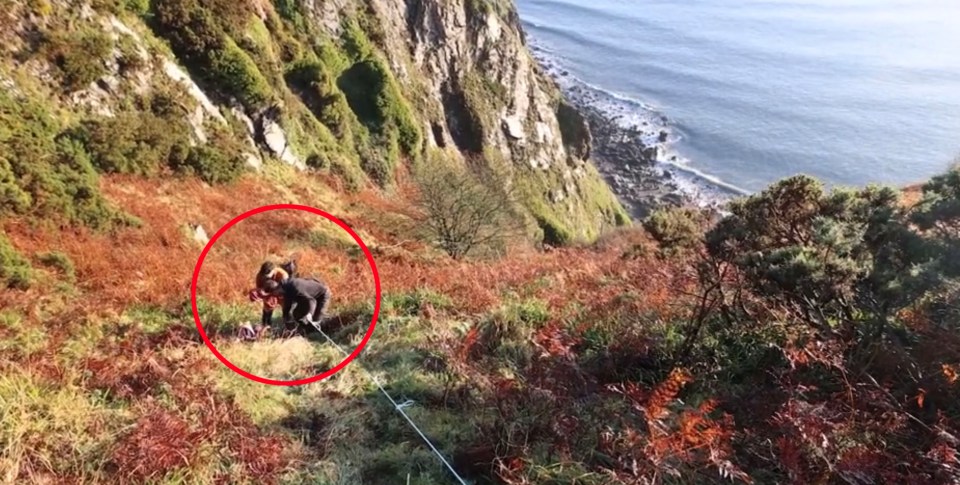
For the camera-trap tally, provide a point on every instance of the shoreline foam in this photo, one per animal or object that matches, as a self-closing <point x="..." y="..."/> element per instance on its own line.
<point x="633" y="146"/>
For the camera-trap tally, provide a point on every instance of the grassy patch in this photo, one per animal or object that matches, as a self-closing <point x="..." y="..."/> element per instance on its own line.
<point x="149" y="319"/>
<point x="410" y="304"/>
<point x="583" y="215"/>
<point x="20" y="338"/>
<point x="51" y="429"/>
<point x="15" y="270"/>
<point x="505" y="334"/>
<point x="283" y="359"/>
<point x="59" y="261"/>
<point x="221" y="319"/>
<point x="314" y="82"/>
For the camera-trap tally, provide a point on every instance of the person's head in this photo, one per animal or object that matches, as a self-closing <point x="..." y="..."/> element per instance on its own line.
<point x="267" y="267"/>
<point x="271" y="287"/>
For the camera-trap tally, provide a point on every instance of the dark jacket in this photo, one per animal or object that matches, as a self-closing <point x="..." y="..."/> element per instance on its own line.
<point x="307" y="297"/>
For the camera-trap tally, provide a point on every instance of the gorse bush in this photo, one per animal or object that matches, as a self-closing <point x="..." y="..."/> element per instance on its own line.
<point x="846" y="254"/>
<point x="44" y="172"/>
<point x="159" y="138"/>
<point x="80" y="57"/>
<point x="210" y="164"/>
<point x="134" y="142"/>
<point x="676" y="229"/>
<point x="234" y="71"/>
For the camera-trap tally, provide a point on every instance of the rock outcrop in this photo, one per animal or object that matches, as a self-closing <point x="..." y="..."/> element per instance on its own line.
<point x="353" y="86"/>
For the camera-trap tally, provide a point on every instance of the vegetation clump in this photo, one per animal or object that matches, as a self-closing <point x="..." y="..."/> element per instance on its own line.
<point x="465" y="212"/>
<point x="80" y="56"/>
<point x="15" y="270"/>
<point x="43" y="171"/>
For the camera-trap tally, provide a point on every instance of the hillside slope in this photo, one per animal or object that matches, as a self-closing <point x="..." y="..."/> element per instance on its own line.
<point x="351" y="88"/>
<point x="807" y="336"/>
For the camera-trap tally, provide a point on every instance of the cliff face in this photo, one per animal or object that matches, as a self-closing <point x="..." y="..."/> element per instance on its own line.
<point x="356" y="87"/>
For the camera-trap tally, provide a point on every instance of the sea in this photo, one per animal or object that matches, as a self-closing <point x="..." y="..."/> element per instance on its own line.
<point x="853" y="92"/>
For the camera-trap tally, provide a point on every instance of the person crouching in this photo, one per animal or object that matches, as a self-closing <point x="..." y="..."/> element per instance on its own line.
<point x="305" y="300"/>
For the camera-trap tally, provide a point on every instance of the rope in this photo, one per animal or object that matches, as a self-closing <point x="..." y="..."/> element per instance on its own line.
<point x="399" y="407"/>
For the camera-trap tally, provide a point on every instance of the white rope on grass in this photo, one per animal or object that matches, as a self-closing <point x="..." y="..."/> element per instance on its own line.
<point x="399" y="407"/>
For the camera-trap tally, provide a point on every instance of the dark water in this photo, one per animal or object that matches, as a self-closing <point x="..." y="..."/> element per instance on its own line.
<point x="850" y="91"/>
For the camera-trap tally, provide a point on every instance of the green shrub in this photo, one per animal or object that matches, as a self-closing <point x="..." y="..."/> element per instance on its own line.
<point x="355" y="41"/>
<point x="232" y="15"/>
<point x="317" y="89"/>
<point x="138" y="7"/>
<point x="80" y="57"/>
<point x="191" y="29"/>
<point x="15" y="270"/>
<point x="290" y="10"/>
<point x="12" y="195"/>
<point x="379" y="159"/>
<point x="59" y="261"/>
<point x="375" y="98"/>
<point x="45" y="173"/>
<point x="676" y="229"/>
<point x="211" y="164"/>
<point x="130" y="60"/>
<point x="135" y="142"/>
<point x="232" y="70"/>
<point x="305" y="133"/>
<point x="555" y="233"/>
<point x="201" y="33"/>
<point x="147" y="142"/>
<point x="846" y="255"/>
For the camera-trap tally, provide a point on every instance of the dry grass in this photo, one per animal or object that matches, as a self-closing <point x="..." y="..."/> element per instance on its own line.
<point x="188" y="418"/>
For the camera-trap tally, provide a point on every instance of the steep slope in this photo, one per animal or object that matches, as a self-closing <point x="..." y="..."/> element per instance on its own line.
<point x="356" y="88"/>
<point x="807" y="337"/>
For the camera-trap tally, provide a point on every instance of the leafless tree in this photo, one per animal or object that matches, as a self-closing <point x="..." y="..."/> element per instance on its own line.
<point x="467" y="211"/>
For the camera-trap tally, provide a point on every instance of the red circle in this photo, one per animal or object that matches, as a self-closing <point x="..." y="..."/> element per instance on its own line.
<point x="298" y="382"/>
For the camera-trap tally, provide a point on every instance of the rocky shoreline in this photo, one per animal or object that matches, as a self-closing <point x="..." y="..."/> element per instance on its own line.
<point x="629" y="165"/>
<point x="630" y="147"/>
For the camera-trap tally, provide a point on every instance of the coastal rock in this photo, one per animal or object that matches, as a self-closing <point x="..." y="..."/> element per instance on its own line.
<point x="276" y="140"/>
<point x="574" y="131"/>
<point x="514" y="127"/>
<point x="247" y="122"/>
<point x="651" y="153"/>
<point x="673" y="199"/>
<point x="544" y="133"/>
<point x="253" y="161"/>
<point x="175" y="73"/>
<point x="196" y="121"/>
